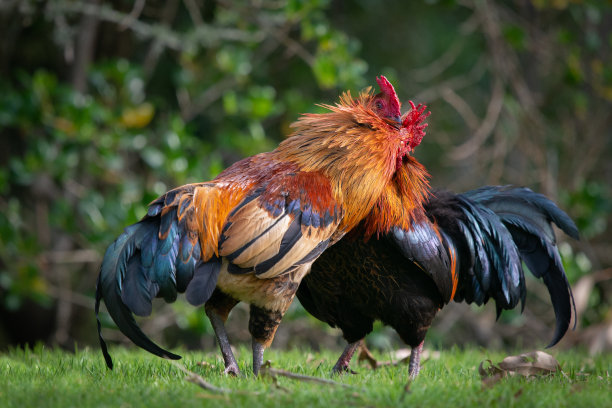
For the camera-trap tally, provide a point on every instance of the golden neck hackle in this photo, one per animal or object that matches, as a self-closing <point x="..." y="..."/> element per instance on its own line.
<point x="401" y="202"/>
<point x="350" y="145"/>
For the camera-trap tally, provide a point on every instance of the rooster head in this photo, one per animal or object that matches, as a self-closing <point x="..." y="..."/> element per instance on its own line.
<point x="386" y="104"/>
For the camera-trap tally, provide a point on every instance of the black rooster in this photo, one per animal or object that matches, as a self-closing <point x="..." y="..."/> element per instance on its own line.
<point x="469" y="247"/>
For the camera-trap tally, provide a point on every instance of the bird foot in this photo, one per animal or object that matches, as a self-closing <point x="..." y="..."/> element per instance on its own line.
<point x="232" y="370"/>
<point x="342" y="370"/>
<point x="342" y="366"/>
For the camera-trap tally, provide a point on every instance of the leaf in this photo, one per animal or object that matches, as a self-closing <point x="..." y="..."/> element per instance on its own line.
<point x="531" y="364"/>
<point x="535" y="363"/>
<point x="491" y="374"/>
<point x="138" y="117"/>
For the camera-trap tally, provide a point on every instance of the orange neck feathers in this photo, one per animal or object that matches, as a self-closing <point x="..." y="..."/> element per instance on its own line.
<point x="352" y="146"/>
<point x="402" y="201"/>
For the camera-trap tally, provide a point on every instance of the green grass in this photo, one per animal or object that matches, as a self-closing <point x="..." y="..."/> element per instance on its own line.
<point x="53" y="378"/>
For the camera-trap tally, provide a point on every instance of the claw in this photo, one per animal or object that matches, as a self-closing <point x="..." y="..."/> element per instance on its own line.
<point x="232" y="370"/>
<point x="343" y="370"/>
<point x="342" y="366"/>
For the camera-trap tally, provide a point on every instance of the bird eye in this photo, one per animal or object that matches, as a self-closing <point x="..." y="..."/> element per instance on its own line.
<point x="379" y="105"/>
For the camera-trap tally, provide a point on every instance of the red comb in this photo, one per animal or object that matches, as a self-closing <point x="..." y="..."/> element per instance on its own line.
<point x="413" y="122"/>
<point x="387" y="89"/>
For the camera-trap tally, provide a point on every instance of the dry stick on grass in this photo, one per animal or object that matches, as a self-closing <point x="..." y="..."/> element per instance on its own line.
<point x="202" y="383"/>
<point x="268" y="371"/>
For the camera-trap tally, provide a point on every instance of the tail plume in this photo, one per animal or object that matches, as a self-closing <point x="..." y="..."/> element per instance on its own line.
<point x="159" y="256"/>
<point x="528" y="217"/>
<point x="125" y="288"/>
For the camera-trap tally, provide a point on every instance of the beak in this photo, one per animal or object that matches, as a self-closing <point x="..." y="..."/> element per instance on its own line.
<point x="396" y="122"/>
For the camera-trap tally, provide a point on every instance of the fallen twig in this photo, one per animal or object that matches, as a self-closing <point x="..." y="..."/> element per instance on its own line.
<point x="268" y="371"/>
<point x="202" y="383"/>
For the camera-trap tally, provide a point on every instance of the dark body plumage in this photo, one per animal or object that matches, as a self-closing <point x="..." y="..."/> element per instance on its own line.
<point x="356" y="283"/>
<point x="468" y="248"/>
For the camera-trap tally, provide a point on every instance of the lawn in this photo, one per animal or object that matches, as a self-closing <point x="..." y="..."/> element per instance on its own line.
<point x="52" y="378"/>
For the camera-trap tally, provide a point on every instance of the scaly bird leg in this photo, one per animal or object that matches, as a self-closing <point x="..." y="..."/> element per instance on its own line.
<point x="262" y="326"/>
<point x="414" y="366"/>
<point x="231" y="366"/>
<point x="343" y="363"/>
<point x="217" y="309"/>
<point x="258" y="352"/>
<point x="263" y="320"/>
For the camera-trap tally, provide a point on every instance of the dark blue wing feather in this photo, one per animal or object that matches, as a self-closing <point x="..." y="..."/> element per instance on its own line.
<point x="137" y="290"/>
<point x="204" y="281"/>
<point x="425" y="247"/>
<point x="190" y="256"/>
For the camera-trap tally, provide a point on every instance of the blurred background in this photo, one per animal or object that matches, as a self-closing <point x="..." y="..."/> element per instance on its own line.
<point x="104" y="105"/>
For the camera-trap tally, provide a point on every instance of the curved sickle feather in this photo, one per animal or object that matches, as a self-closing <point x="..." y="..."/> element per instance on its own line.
<point x="528" y="216"/>
<point x="116" y="259"/>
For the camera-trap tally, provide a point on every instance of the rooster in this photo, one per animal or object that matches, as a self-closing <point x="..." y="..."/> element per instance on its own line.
<point x="466" y="247"/>
<point x="252" y="233"/>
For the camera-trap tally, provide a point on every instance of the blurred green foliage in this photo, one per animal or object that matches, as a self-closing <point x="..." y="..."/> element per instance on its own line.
<point x="83" y="164"/>
<point x="105" y="105"/>
<point x="591" y="203"/>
